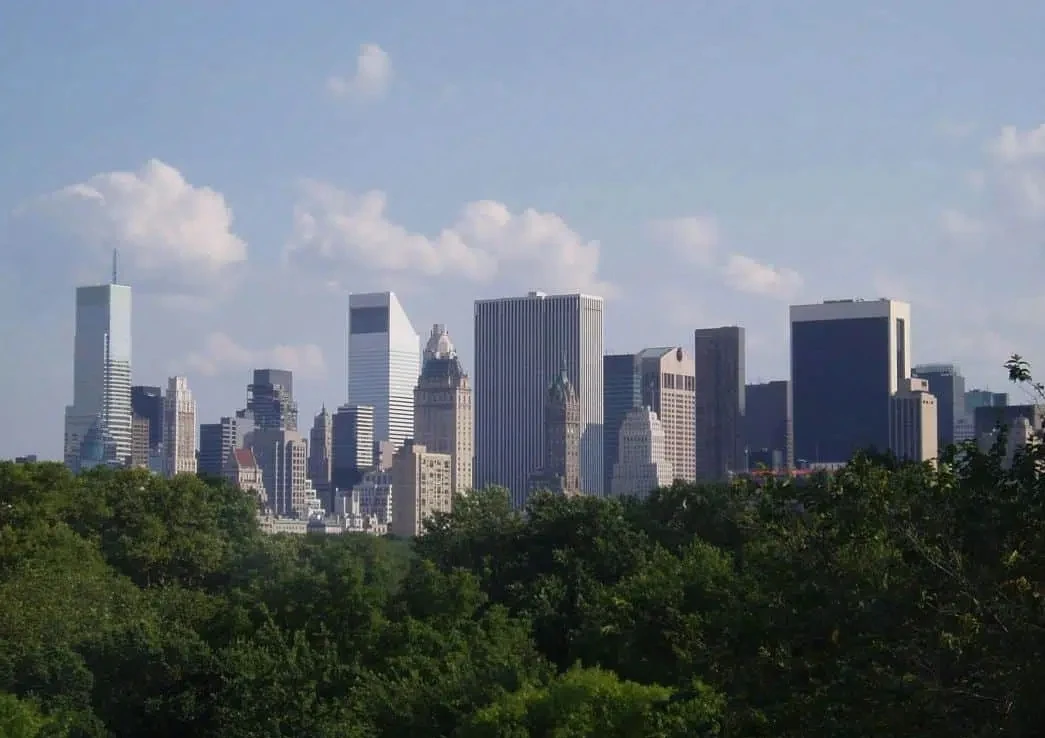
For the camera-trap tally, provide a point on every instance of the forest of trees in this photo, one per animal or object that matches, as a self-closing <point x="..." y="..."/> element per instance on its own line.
<point x="886" y="600"/>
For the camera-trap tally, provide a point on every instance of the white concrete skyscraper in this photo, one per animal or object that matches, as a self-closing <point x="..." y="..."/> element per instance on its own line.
<point x="101" y="375"/>
<point x="520" y="346"/>
<point x="384" y="362"/>
<point x="179" y="428"/>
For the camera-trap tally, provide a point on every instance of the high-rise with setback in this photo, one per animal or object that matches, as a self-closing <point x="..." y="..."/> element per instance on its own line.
<point x="179" y="428"/>
<point x="384" y="361"/>
<point x="520" y="343"/>
<point x="101" y="374"/>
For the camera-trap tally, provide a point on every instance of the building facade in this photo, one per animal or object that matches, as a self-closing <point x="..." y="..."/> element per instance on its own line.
<point x="947" y="385"/>
<point x="720" y="369"/>
<point x="642" y="464"/>
<point x="913" y="432"/>
<point x="848" y="358"/>
<point x="242" y="470"/>
<point x="101" y="374"/>
<point x="421" y="487"/>
<point x="179" y="428"/>
<point x="443" y="407"/>
<point x="282" y="456"/>
<point x="384" y="362"/>
<point x="519" y="345"/>
<point x="768" y="425"/>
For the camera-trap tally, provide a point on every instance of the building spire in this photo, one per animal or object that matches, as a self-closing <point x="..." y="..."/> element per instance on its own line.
<point x="115" y="253"/>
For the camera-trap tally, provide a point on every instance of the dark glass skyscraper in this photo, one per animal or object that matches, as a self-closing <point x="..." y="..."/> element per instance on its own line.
<point x="768" y="424"/>
<point x="947" y="384"/>
<point x="271" y="398"/>
<point x="848" y="357"/>
<point x="621" y="391"/>
<point x="719" y="367"/>
<point x="147" y="402"/>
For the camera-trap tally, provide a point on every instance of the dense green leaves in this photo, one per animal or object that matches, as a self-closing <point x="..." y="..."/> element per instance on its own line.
<point x="885" y="600"/>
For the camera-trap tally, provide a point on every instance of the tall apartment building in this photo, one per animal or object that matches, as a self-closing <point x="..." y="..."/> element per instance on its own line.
<point x="443" y="407"/>
<point x="421" y="487"/>
<point x="913" y="435"/>
<point x="242" y="470"/>
<point x="374" y="493"/>
<point x="321" y="456"/>
<point x="848" y="358"/>
<point x="384" y="361"/>
<point x="352" y="445"/>
<point x="768" y="425"/>
<point x="270" y="398"/>
<point x="179" y="428"/>
<point x="642" y="464"/>
<point x="719" y="364"/>
<point x="947" y="385"/>
<point x="559" y="471"/>
<point x="101" y="374"/>
<point x="519" y="344"/>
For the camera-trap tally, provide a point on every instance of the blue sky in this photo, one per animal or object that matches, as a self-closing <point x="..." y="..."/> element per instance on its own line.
<point x="701" y="163"/>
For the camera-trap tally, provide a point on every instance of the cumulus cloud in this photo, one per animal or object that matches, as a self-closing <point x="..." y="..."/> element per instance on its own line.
<point x="744" y="274"/>
<point x="693" y="238"/>
<point x="696" y="240"/>
<point x="1013" y="145"/>
<point x="221" y="354"/>
<point x="170" y="233"/>
<point x="371" y="79"/>
<point x="337" y="232"/>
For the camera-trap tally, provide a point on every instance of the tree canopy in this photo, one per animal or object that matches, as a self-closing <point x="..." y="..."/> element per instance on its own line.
<point x="885" y="599"/>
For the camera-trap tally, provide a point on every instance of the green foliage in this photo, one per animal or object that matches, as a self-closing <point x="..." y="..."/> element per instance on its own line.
<point x="887" y="599"/>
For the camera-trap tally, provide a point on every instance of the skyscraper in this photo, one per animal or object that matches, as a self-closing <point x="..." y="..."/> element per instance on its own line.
<point x="219" y="440"/>
<point x="662" y="379"/>
<point x="719" y="364"/>
<point x="179" y="428"/>
<point x="384" y="361"/>
<point x="519" y="345"/>
<point x="848" y="358"/>
<point x="443" y="407"/>
<point x="559" y="471"/>
<point x="270" y="397"/>
<point x="641" y="466"/>
<point x="947" y="384"/>
<point x="320" y="456"/>
<point x="768" y="425"/>
<point x="352" y="445"/>
<point x="912" y="421"/>
<point x="101" y="373"/>
<point x="147" y="403"/>
<point x="621" y="392"/>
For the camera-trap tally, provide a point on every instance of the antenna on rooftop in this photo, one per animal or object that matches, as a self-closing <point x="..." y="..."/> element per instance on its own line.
<point x="115" y="252"/>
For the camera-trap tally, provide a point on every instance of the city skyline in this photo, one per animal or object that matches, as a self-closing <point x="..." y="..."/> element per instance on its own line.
<point x="660" y="159"/>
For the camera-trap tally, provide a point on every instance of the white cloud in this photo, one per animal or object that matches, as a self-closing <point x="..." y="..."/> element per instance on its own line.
<point x="960" y="226"/>
<point x="222" y="355"/>
<point x="1013" y="145"/>
<point x="337" y="232"/>
<point x="694" y="238"/>
<point x="169" y="232"/>
<point x="371" y="79"/>
<point x="747" y="275"/>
